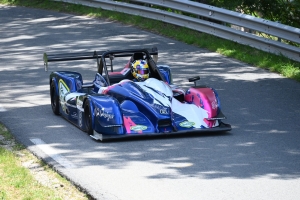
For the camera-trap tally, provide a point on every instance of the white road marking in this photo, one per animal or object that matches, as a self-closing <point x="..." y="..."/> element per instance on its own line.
<point x="2" y="109"/>
<point x="52" y="153"/>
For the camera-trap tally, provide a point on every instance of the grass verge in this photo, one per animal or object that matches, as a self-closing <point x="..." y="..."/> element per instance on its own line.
<point x="252" y="56"/>
<point x="23" y="176"/>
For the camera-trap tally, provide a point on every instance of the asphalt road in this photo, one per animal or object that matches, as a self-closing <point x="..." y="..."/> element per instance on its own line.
<point x="258" y="159"/>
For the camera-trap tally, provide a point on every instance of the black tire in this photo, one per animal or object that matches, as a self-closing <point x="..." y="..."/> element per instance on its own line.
<point x="54" y="99"/>
<point x="88" y="118"/>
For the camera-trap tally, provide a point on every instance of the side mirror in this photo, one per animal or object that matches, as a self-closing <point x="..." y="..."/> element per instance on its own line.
<point x="194" y="79"/>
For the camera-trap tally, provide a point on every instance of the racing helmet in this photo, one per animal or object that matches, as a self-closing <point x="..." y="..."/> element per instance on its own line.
<point x="140" y="70"/>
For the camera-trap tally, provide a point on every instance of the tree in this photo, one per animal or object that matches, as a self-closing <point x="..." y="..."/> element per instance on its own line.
<point x="284" y="11"/>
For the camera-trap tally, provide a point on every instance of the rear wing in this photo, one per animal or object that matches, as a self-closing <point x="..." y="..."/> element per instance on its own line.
<point x="97" y="55"/>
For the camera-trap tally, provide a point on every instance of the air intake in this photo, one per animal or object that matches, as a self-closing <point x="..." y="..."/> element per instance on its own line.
<point x="164" y="123"/>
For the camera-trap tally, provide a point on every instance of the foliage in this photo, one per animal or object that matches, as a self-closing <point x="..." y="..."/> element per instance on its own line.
<point x="284" y="11"/>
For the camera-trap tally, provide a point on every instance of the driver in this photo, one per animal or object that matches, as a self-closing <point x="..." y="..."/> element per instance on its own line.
<point x="140" y="70"/>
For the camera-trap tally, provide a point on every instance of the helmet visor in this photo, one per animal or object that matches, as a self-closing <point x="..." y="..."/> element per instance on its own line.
<point x="143" y="71"/>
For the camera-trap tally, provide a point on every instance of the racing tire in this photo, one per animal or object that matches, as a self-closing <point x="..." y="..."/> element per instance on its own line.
<point x="54" y="99"/>
<point x="88" y="118"/>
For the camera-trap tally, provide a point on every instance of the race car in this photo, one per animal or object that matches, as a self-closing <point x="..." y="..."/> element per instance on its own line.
<point x="113" y="105"/>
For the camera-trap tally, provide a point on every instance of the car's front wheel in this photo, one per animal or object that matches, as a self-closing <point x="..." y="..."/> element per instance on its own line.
<point x="88" y="118"/>
<point x="54" y="99"/>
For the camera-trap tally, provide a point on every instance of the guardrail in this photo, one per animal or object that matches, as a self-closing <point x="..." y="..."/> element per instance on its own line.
<point x="281" y="31"/>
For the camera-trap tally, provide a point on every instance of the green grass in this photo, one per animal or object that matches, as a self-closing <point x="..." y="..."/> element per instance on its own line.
<point x="247" y="54"/>
<point x="17" y="182"/>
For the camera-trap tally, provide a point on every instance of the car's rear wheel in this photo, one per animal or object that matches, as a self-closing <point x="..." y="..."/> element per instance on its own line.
<point x="88" y="118"/>
<point x="54" y="99"/>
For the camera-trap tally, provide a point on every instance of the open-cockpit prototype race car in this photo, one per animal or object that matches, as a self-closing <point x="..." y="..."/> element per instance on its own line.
<point x="115" y="106"/>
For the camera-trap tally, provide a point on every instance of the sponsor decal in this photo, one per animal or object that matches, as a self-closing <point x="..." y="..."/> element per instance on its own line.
<point x="163" y="111"/>
<point x="63" y="88"/>
<point x="79" y="103"/>
<point x="187" y="124"/>
<point x="138" y="128"/>
<point x="63" y="91"/>
<point x="74" y="115"/>
<point x="102" y="113"/>
<point x="214" y="104"/>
